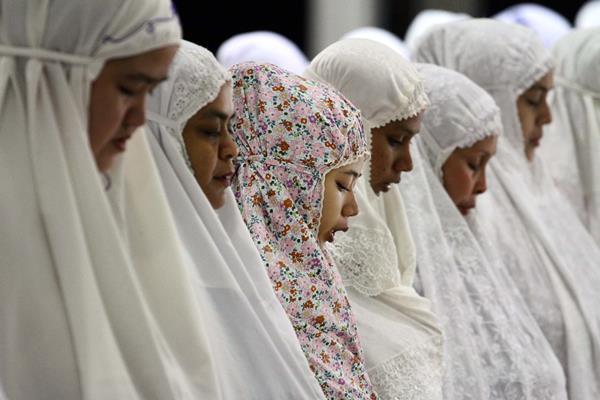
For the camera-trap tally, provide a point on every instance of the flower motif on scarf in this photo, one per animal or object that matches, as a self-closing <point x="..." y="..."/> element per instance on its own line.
<point x="290" y="133"/>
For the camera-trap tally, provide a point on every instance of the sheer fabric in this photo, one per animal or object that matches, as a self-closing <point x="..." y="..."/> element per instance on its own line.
<point x="256" y="352"/>
<point x="424" y="21"/>
<point x="495" y="348"/>
<point x="376" y="257"/>
<point x="572" y="144"/>
<point x="290" y="133"/>
<point x="83" y="313"/>
<point x="558" y="253"/>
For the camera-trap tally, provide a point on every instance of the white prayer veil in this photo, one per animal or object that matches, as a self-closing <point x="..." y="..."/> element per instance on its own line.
<point x="379" y="35"/>
<point x="262" y="47"/>
<point x="425" y="20"/>
<point x="87" y="310"/>
<point x="588" y="15"/>
<point x="549" y="24"/>
<point x="494" y="348"/>
<point x="571" y="148"/>
<point x="402" y="343"/>
<point x="256" y="352"/>
<point x="523" y="218"/>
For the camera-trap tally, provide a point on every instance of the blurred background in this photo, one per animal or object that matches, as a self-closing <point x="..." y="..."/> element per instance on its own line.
<point x="313" y="24"/>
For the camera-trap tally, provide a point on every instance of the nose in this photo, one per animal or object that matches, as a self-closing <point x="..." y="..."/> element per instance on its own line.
<point x="546" y="114"/>
<point x="481" y="184"/>
<point x="350" y="208"/>
<point x="228" y="149"/>
<point x="404" y="161"/>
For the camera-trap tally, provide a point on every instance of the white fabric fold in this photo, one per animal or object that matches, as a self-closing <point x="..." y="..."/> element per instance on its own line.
<point x="495" y="348"/>
<point x="83" y="315"/>
<point x="256" y="352"/>
<point x="523" y="218"/>
<point x="572" y="143"/>
<point x="376" y="257"/>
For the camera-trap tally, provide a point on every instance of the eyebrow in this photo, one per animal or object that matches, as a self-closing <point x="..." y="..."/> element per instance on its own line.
<point x="353" y="173"/>
<point x="537" y="86"/>
<point x="146" y="78"/>
<point x="219" y="114"/>
<point x="410" y="131"/>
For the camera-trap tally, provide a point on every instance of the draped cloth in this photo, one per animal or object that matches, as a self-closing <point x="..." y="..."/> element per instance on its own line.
<point x="256" y="352"/>
<point x="376" y="257"/>
<point x="572" y="144"/>
<point x="523" y="218"/>
<point x="290" y="133"/>
<point x="95" y="297"/>
<point x="495" y="349"/>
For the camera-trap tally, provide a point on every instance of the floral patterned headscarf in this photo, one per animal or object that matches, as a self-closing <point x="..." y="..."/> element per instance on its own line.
<point x="290" y="133"/>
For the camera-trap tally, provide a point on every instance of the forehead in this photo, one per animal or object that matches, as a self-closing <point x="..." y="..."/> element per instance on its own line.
<point x="152" y="64"/>
<point x="222" y="105"/>
<point x="412" y="124"/>
<point x="545" y="83"/>
<point x="487" y="145"/>
<point x="354" y="167"/>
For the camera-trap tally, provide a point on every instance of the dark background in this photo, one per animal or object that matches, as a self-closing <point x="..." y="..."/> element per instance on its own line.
<point x="210" y="25"/>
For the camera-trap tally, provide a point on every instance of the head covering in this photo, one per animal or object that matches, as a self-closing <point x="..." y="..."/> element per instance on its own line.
<point x="549" y="24"/>
<point x="425" y="20"/>
<point x="255" y="349"/>
<point x="554" y="248"/>
<point x="290" y="133"/>
<point x="262" y="47"/>
<point x="588" y="15"/>
<point x="381" y="36"/>
<point x="460" y="115"/>
<point x="494" y="348"/>
<point x="87" y="310"/>
<point x="572" y="144"/>
<point x="376" y="256"/>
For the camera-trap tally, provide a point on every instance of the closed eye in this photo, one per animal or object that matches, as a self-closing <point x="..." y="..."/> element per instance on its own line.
<point x="342" y="188"/>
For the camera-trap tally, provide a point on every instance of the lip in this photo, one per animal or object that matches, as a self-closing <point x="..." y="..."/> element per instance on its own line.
<point x="340" y="228"/>
<point x="535" y="141"/>
<point x="465" y="208"/>
<point x="120" y="143"/>
<point x="225" y="179"/>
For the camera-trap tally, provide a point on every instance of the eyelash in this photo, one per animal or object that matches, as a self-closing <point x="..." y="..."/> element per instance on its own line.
<point x="342" y="188"/>
<point x="127" y="92"/>
<point x="396" y="142"/>
<point x="473" y="167"/>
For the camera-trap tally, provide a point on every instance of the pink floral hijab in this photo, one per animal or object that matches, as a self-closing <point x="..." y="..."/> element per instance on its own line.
<point x="290" y="133"/>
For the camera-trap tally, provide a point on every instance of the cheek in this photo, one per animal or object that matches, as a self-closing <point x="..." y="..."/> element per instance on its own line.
<point x="458" y="183"/>
<point x="527" y="120"/>
<point x="203" y="157"/>
<point x="106" y="115"/>
<point x="332" y="208"/>
<point x="381" y="158"/>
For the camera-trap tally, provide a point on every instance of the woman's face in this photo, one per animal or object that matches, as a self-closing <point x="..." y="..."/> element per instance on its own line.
<point x="391" y="152"/>
<point x="117" y="101"/>
<point x="338" y="201"/>
<point x="534" y="113"/>
<point x="210" y="146"/>
<point x="464" y="173"/>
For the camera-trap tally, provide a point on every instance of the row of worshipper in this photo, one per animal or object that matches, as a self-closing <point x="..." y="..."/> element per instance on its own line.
<point x="252" y="240"/>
